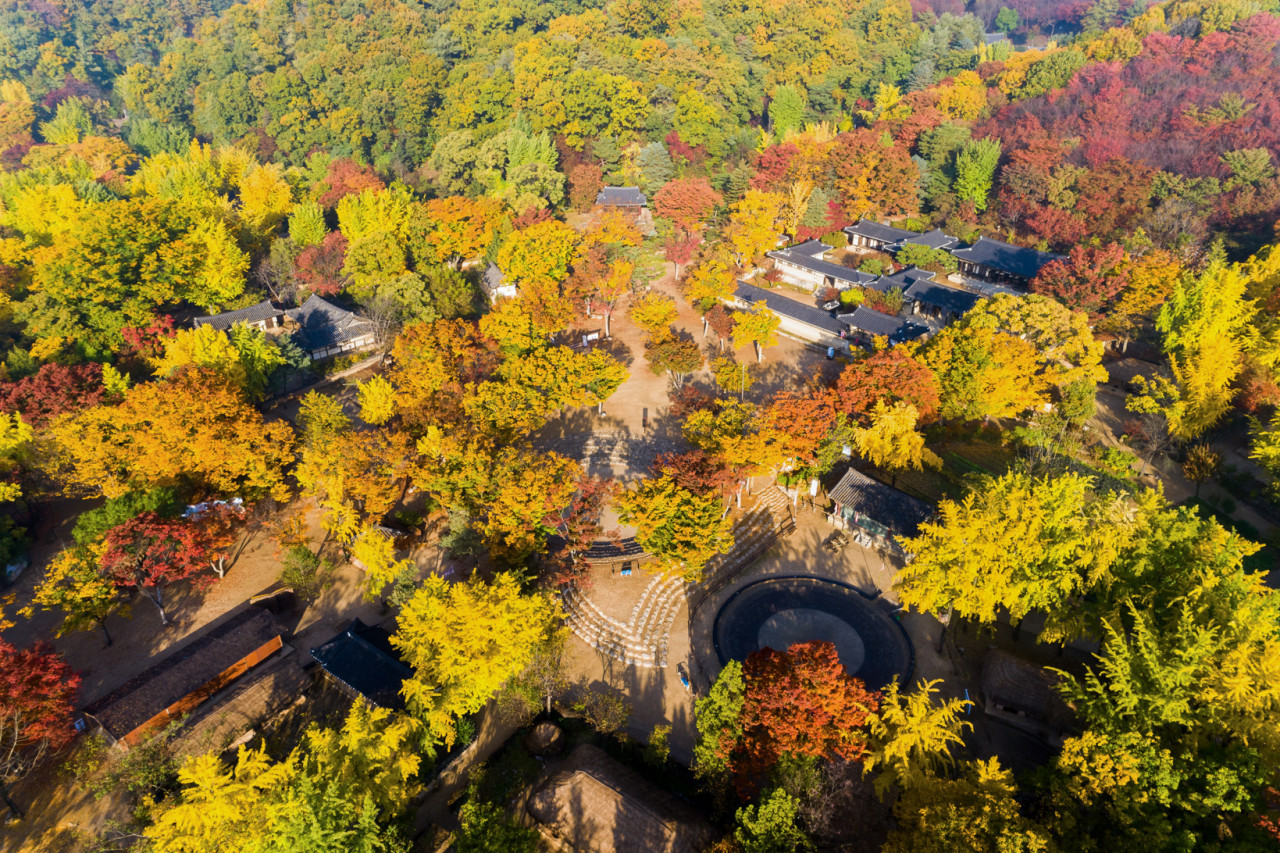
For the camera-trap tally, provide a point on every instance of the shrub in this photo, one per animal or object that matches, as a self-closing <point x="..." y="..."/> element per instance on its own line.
<point x="306" y="573"/>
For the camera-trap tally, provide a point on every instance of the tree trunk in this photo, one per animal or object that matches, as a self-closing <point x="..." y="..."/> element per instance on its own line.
<point x="156" y="598"/>
<point x="102" y="623"/>
<point x="759" y="353"/>
<point x="14" y="811"/>
<point x="608" y="315"/>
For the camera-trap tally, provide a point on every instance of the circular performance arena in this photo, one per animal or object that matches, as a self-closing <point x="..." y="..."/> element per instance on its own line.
<point x="780" y="612"/>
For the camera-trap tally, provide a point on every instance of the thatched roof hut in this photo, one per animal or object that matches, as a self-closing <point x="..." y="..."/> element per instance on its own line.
<point x="1016" y="687"/>
<point x="597" y="805"/>
<point x="187" y="676"/>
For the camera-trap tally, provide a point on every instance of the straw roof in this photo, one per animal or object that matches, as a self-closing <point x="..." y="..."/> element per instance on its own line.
<point x="183" y="671"/>
<point x="599" y="806"/>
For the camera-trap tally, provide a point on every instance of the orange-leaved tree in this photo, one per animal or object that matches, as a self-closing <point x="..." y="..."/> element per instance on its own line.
<point x="800" y="701"/>
<point x="462" y="228"/>
<point x="892" y="375"/>
<point x="196" y="427"/>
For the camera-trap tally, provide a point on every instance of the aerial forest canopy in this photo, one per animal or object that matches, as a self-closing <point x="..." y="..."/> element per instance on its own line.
<point x="214" y="213"/>
<point x="1159" y="118"/>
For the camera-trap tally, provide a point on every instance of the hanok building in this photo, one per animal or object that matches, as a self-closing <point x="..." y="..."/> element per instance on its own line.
<point x="627" y="198"/>
<point x="869" y="234"/>
<point x="805" y="267"/>
<point x="263" y="316"/>
<point x="938" y="302"/>
<point x="902" y="279"/>
<point x="992" y="259"/>
<point x="865" y="324"/>
<point x="362" y="661"/>
<point x="495" y="284"/>
<point x="628" y="201"/>
<point x="325" y="330"/>
<point x="934" y="239"/>
<point x="864" y="505"/>
<point x="805" y="322"/>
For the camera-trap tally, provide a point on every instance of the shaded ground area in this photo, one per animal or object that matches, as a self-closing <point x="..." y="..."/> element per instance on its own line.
<point x="872" y="646"/>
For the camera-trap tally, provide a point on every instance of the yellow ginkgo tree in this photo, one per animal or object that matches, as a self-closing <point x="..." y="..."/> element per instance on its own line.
<point x="350" y="783"/>
<point x="464" y="641"/>
<point x="892" y="442"/>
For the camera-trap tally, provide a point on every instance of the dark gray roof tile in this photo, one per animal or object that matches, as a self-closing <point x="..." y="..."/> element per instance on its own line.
<point x="780" y="304"/>
<point x="934" y="239"/>
<point x="1015" y="260"/>
<point x="264" y="310"/>
<point x="947" y="298"/>
<point x="363" y="658"/>
<point x="325" y="324"/>
<point x="896" y="510"/>
<point x="621" y="196"/>
<point x="878" y="231"/>
<point x="902" y="279"/>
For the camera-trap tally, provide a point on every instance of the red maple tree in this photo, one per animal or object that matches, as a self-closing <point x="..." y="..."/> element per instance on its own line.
<point x="346" y="177"/>
<point x="698" y="472"/>
<point x="1088" y="280"/>
<point x="892" y="376"/>
<point x="679" y="250"/>
<point x="772" y="166"/>
<point x="54" y="390"/>
<point x="319" y="267"/>
<point x="800" y="701"/>
<point x="579" y="525"/>
<point x="148" y="341"/>
<point x="37" y="690"/>
<point x="149" y="552"/>
<point x="721" y="322"/>
<point x="686" y="202"/>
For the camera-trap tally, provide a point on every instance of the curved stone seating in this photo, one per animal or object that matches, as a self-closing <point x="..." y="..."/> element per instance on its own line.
<point x="643" y="639"/>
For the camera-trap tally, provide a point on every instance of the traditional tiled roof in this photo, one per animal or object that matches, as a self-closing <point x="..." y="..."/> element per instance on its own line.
<point x="1015" y="260"/>
<point x="325" y="324"/>
<point x="896" y="510"/>
<point x="987" y="288"/>
<point x="812" y="248"/>
<point x="948" y="298"/>
<point x="826" y="268"/>
<point x="621" y="197"/>
<point x="872" y="322"/>
<point x="363" y="659"/>
<point x="264" y="310"/>
<point x="877" y="231"/>
<point x="902" y="279"/>
<point x="934" y="239"/>
<point x="780" y="304"/>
